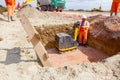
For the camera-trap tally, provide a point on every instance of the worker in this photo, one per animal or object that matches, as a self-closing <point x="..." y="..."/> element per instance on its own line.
<point x="18" y="6"/>
<point x="10" y="8"/>
<point x="115" y="7"/>
<point x="83" y="31"/>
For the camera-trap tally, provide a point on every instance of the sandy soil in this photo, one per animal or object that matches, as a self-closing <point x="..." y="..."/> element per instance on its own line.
<point x="18" y="60"/>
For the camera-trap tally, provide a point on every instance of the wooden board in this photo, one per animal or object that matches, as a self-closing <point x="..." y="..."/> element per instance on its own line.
<point x="34" y="39"/>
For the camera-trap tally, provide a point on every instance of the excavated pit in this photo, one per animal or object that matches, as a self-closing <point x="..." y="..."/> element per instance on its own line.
<point x="103" y="41"/>
<point x="103" y="37"/>
<point x="104" y="33"/>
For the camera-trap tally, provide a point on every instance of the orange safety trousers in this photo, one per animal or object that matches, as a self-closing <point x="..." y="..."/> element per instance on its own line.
<point x="115" y="6"/>
<point x="10" y="9"/>
<point x="83" y="35"/>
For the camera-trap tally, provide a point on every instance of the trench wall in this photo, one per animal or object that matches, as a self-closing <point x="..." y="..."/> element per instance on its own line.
<point x="103" y="41"/>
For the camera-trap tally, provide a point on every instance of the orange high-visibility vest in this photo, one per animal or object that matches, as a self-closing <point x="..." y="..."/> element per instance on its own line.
<point x="10" y="2"/>
<point x="85" y="27"/>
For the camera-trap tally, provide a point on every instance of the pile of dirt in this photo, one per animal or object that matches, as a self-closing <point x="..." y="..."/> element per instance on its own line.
<point x="31" y="12"/>
<point x="104" y="34"/>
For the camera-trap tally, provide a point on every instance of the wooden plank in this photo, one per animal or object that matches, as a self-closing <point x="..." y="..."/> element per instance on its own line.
<point x="33" y="37"/>
<point x="27" y="25"/>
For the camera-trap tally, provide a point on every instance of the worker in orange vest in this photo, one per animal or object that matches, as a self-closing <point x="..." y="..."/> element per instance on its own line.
<point x="10" y="8"/>
<point x="83" y="31"/>
<point x="115" y="7"/>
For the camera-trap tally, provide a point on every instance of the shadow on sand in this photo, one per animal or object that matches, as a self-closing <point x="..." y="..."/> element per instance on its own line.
<point x="1" y="19"/>
<point x="13" y="56"/>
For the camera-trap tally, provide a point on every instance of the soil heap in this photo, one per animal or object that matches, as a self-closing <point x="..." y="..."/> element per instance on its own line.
<point x="104" y="34"/>
<point x="31" y="12"/>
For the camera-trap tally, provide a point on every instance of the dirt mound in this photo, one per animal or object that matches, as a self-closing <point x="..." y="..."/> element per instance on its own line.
<point x="104" y="34"/>
<point x="31" y="12"/>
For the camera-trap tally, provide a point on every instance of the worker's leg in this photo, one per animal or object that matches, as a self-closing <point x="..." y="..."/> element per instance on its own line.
<point x="115" y="13"/>
<point x="85" y="38"/>
<point x="111" y="13"/>
<point x="81" y="38"/>
<point x="114" y="8"/>
<point x="9" y="10"/>
<point x="13" y="10"/>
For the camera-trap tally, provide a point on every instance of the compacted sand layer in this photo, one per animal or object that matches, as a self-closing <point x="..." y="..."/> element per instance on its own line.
<point x="18" y="60"/>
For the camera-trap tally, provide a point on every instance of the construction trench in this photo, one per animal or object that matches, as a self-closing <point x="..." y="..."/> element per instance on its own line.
<point x="103" y="40"/>
<point x="103" y="36"/>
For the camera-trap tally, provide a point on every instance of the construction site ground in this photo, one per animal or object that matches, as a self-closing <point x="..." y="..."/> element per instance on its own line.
<point x="77" y="56"/>
<point x="18" y="60"/>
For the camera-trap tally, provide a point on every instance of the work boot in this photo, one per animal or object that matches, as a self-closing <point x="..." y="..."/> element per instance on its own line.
<point x="111" y="14"/>
<point x="11" y="18"/>
<point x="8" y="18"/>
<point x="115" y="13"/>
<point x="85" y="44"/>
<point x="80" y="43"/>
